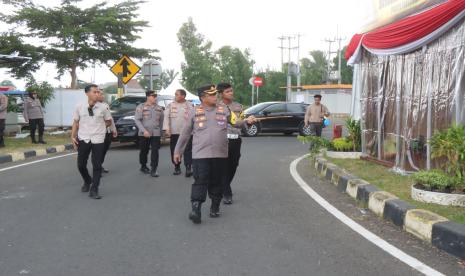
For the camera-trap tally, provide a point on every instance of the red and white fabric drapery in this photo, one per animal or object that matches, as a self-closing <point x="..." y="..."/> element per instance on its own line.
<point x="408" y="34"/>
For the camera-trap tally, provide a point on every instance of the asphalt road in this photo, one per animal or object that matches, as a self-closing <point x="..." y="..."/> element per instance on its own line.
<point x="140" y="227"/>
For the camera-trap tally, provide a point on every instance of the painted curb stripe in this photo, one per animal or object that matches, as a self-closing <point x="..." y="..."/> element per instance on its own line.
<point x="376" y="240"/>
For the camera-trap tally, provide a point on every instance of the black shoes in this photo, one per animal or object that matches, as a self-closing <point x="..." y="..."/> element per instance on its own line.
<point x="42" y="142"/>
<point x="105" y="170"/>
<point x="177" y="170"/>
<point x="94" y="193"/>
<point x="195" y="214"/>
<point x="189" y="172"/>
<point x="228" y="200"/>
<point x="85" y="188"/>
<point x="215" y="209"/>
<point x="154" y="173"/>
<point x="145" y="170"/>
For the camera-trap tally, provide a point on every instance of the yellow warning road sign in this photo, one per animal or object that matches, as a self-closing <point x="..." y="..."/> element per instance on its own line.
<point x="126" y="67"/>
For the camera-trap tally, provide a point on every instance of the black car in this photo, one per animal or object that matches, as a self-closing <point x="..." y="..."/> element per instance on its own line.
<point x="277" y="117"/>
<point x="123" y="110"/>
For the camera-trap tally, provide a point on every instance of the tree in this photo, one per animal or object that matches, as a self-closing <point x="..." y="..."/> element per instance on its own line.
<point x="73" y="37"/>
<point x="235" y="67"/>
<point x="271" y="90"/>
<point x="346" y="71"/>
<point x="199" y="66"/>
<point x="165" y="79"/>
<point x="313" y="69"/>
<point x="11" y="42"/>
<point x="44" y="91"/>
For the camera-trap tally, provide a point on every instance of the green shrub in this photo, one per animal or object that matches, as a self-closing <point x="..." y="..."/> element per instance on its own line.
<point x="355" y="133"/>
<point x="450" y="144"/>
<point x="316" y="143"/>
<point x="435" y="180"/>
<point x="342" y="144"/>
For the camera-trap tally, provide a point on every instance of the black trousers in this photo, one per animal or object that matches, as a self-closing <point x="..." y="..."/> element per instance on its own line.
<point x="145" y="144"/>
<point x="234" y="154"/>
<point x="106" y="145"/>
<point x="36" y="124"/>
<point x="316" y="129"/>
<point x="2" y="130"/>
<point x="207" y="178"/>
<point x="84" y="150"/>
<point x="187" y="152"/>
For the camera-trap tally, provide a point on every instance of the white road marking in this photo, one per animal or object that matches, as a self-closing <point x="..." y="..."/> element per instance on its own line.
<point x="37" y="161"/>
<point x="376" y="240"/>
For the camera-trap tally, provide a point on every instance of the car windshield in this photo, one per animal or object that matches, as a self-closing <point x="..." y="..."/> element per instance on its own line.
<point x="126" y="104"/>
<point x="256" y="108"/>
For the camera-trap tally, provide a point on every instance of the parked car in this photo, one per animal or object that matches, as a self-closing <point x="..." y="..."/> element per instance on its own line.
<point x="284" y="117"/>
<point x="123" y="110"/>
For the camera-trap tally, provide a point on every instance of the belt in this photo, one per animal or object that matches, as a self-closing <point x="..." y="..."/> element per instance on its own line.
<point x="233" y="136"/>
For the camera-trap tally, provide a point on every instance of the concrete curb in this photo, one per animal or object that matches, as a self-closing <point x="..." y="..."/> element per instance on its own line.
<point x="18" y="156"/>
<point x="428" y="226"/>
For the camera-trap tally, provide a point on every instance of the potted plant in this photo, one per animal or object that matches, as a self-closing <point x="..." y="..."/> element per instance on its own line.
<point x="446" y="186"/>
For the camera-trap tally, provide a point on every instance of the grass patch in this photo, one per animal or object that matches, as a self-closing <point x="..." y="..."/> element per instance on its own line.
<point x="398" y="185"/>
<point x="24" y="144"/>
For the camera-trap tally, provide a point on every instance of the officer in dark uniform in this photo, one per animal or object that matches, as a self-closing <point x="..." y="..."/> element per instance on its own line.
<point x="208" y="125"/>
<point x="149" y="121"/>
<point x="235" y="125"/>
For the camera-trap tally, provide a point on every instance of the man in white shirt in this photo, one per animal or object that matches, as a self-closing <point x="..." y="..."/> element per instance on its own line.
<point x="88" y="135"/>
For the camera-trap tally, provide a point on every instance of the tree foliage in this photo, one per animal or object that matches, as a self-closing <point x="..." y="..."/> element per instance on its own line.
<point x="73" y="37"/>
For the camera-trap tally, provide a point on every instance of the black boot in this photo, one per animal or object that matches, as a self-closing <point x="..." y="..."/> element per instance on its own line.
<point x="41" y="140"/>
<point x="227" y="200"/>
<point x="33" y="139"/>
<point x="215" y="208"/>
<point x="85" y="188"/>
<point x="154" y="173"/>
<point x="94" y="193"/>
<point x="177" y="170"/>
<point x="144" y="169"/>
<point x="2" y="142"/>
<point x="189" y="172"/>
<point x="195" y="215"/>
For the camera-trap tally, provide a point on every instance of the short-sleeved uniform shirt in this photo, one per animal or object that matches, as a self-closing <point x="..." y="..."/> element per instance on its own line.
<point x="92" y="128"/>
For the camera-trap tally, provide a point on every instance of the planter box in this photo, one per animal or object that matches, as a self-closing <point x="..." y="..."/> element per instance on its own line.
<point x="344" y="154"/>
<point x="438" y="198"/>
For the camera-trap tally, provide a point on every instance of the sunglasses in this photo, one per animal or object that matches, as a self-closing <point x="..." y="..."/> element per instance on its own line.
<point x="90" y="110"/>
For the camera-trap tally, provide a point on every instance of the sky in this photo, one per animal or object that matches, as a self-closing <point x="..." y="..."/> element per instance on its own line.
<point x="252" y="24"/>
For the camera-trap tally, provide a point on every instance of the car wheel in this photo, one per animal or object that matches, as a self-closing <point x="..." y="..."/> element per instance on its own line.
<point x="252" y="130"/>
<point x="304" y="131"/>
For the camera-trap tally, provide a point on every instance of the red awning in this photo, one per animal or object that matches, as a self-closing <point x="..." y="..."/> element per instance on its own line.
<point x="390" y="39"/>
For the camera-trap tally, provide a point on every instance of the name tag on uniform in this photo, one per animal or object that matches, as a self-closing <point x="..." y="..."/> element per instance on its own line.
<point x="233" y="136"/>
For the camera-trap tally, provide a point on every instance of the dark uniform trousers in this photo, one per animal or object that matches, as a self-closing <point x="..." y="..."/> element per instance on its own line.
<point x="207" y="178"/>
<point x="106" y="145"/>
<point x="234" y="154"/>
<point x="2" y="129"/>
<point x="316" y="129"/>
<point x="187" y="152"/>
<point x="84" y="150"/>
<point x="36" y="124"/>
<point x="145" y="145"/>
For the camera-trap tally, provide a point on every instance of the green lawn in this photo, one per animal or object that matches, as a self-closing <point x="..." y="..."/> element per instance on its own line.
<point x="24" y="144"/>
<point x="398" y="185"/>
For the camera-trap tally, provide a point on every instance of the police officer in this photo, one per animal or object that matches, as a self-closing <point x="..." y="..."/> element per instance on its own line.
<point x="235" y="125"/>
<point x="88" y="135"/>
<point x="149" y="121"/>
<point x="208" y="125"/>
<point x="34" y="115"/>
<point x="3" y="110"/>
<point x="176" y="115"/>
<point x="111" y="131"/>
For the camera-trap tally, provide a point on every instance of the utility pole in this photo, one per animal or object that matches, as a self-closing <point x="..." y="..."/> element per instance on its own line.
<point x="298" y="62"/>
<point x="282" y="38"/>
<point x="289" y="77"/>
<point x="328" y="70"/>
